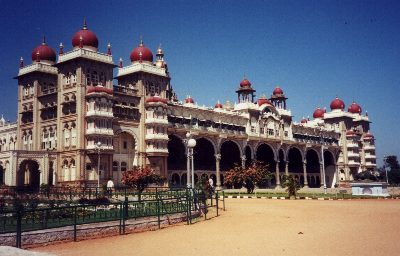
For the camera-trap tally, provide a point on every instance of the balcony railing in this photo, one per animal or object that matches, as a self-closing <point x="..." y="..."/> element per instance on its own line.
<point x="99" y="113"/>
<point x="100" y="131"/>
<point x="125" y="90"/>
<point x="156" y="136"/>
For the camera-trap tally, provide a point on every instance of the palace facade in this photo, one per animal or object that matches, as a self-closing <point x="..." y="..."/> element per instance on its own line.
<point x="77" y="123"/>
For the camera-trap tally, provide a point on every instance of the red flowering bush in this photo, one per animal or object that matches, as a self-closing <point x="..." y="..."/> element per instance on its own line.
<point x="141" y="177"/>
<point x="255" y="174"/>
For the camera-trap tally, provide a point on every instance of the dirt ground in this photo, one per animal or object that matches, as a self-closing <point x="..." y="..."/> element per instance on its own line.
<point x="265" y="227"/>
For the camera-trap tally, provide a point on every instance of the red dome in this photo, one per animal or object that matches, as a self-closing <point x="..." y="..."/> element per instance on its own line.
<point x="304" y="120"/>
<point x="245" y="83"/>
<point x="337" y="104"/>
<point x="189" y="100"/>
<point x="155" y="99"/>
<point x="218" y="105"/>
<point x="277" y="91"/>
<point x="91" y="89"/>
<point x="141" y="53"/>
<point x="354" y="108"/>
<point x="319" y="113"/>
<point x="88" y="38"/>
<point x="262" y="101"/>
<point x="45" y="53"/>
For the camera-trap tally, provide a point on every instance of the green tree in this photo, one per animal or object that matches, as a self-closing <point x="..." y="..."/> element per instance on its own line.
<point x="291" y="185"/>
<point x="393" y="167"/>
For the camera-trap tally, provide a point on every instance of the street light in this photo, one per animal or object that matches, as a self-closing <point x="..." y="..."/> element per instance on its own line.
<point x="190" y="143"/>
<point x="98" y="147"/>
<point x="323" y="162"/>
<point x="386" y="168"/>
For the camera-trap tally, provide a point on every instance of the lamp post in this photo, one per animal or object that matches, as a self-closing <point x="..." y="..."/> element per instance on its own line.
<point x="386" y="169"/>
<point x="323" y="163"/>
<point x="98" y="147"/>
<point x="190" y="143"/>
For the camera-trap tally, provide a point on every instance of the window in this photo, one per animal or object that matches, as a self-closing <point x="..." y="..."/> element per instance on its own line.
<point x="115" y="166"/>
<point x="125" y="144"/>
<point x="95" y="78"/>
<point x="67" y="79"/>
<point x="123" y="166"/>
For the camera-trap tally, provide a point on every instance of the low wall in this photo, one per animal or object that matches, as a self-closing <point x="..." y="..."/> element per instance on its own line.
<point x="90" y="231"/>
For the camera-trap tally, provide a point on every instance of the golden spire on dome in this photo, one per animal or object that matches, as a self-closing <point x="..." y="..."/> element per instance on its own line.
<point x="84" y="24"/>
<point x="141" y="41"/>
<point x="44" y="40"/>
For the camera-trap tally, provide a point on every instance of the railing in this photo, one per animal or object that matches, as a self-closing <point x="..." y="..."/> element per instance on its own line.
<point x="155" y="202"/>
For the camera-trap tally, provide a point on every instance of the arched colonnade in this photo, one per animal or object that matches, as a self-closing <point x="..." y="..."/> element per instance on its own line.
<point x="213" y="157"/>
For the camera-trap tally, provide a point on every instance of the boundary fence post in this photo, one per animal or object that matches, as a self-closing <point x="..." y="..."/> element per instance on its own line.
<point x="19" y="229"/>
<point x="158" y="210"/>
<point x="75" y="223"/>
<point x="216" y="201"/>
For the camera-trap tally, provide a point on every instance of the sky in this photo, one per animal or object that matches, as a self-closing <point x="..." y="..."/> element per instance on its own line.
<point x="314" y="50"/>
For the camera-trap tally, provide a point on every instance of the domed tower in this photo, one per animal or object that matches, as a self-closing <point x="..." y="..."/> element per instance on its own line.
<point x="145" y="86"/>
<point x="245" y="91"/>
<point x="337" y="105"/>
<point x="354" y="108"/>
<point x="319" y="113"/>
<point x="85" y="39"/>
<point x="142" y="54"/>
<point x="86" y="109"/>
<point x="156" y="130"/>
<point x="369" y="155"/>
<point x="37" y="100"/>
<point x="160" y="58"/>
<point x="278" y="98"/>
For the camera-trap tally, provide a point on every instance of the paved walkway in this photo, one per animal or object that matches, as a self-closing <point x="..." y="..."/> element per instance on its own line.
<point x="265" y="227"/>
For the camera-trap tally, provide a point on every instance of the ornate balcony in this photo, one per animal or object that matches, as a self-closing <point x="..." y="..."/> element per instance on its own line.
<point x="100" y="131"/>
<point x="100" y="113"/>
<point x="156" y="136"/>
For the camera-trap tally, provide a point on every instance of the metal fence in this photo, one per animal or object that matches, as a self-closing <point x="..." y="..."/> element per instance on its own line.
<point x="157" y="203"/>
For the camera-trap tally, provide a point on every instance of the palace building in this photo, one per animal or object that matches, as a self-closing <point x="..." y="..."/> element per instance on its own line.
<point x="77" y="123"/>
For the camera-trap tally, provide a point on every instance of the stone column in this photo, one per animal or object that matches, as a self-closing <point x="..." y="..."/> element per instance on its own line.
<point x="217" y="171"/>
<point x="278" y="178"/>
<point x="287" y="167"/>
<point x="243" y="158"/>
<point x="321" y="175"/>
<point x="305" y="174"/>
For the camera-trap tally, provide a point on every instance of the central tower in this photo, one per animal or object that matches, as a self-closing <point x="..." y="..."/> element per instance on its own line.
<point x="147" y="86"/>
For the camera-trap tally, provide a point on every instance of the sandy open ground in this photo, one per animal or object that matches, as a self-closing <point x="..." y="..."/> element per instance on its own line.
<point x="265" y="227"/>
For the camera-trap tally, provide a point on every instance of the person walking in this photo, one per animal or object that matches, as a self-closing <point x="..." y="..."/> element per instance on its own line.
<point x="110" y="187"/>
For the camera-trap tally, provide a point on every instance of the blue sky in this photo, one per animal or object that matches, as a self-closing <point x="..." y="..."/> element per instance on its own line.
<point x="314" y="50"/>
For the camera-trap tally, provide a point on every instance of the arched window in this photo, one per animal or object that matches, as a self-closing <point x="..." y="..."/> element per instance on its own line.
<point x="73" y="78"/>
<point x="73" y="170"/>
<point x="66" y="170"/>
<point x="95" y="78"/>
<point x="123" y="166"/>
<point x="88" y="77"/>
<point x="67" y="79"/>
<point x="73" y="135"/>
<point x="115" y="166"/>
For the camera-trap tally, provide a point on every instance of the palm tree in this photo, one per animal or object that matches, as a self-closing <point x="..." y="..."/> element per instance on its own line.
<point x="291" y="185"/>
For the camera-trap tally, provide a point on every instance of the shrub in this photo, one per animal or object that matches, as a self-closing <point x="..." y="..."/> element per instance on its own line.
<point x="291" y="185"/>
<point x="255" y="174"/>
<point x="141" y="177"/>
